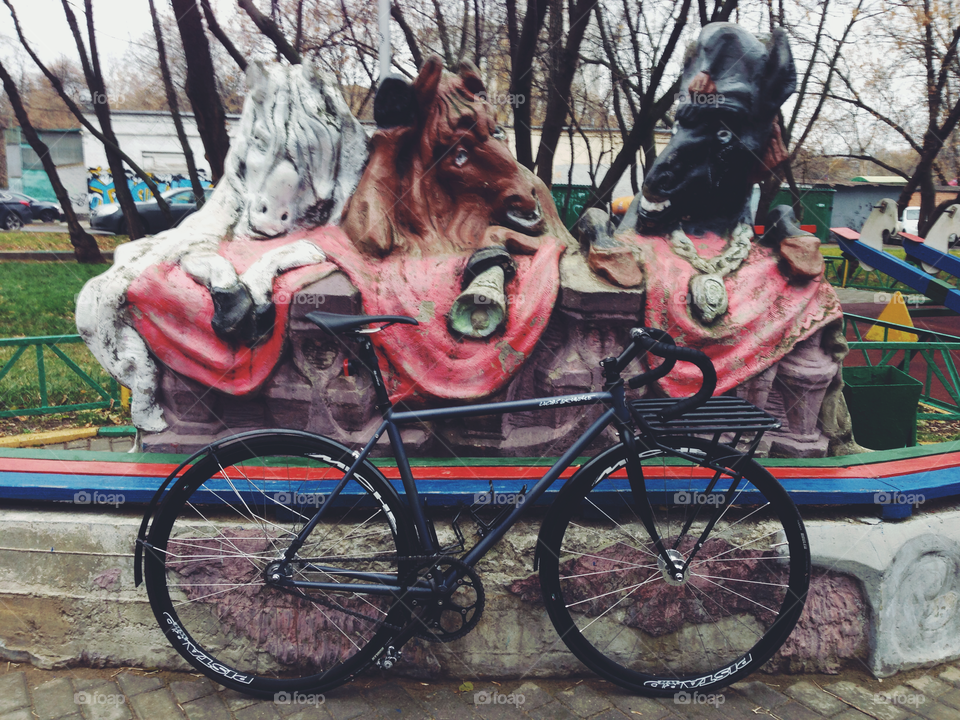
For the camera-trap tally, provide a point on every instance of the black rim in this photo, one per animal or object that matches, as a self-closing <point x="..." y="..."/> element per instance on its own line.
<point x="611" y="601"/>
<point x="214" y="537"/>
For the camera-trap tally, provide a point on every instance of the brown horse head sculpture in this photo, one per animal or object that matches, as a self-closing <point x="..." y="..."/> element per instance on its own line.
<point x="440" y="173"/>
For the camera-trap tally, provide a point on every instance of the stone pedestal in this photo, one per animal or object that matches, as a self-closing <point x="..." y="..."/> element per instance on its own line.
<point x="308" y="390"/>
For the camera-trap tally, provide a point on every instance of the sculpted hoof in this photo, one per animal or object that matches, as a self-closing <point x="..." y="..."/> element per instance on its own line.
<point x="231" y="308"/>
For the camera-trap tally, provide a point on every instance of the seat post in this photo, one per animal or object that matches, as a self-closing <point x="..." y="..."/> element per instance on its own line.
<point x="368" y="358"/>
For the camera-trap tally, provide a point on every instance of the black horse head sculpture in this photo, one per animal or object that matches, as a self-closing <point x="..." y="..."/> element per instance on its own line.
<point x="724" y="133"/>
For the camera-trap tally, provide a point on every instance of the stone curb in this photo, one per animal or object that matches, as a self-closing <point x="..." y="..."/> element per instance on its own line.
<point x="47" y="438"/>
<point x="54" y="437"/>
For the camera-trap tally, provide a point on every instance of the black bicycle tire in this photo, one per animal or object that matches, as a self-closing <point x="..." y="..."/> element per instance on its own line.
<point x="266" y="446"/>
<point x="550" y="552"/>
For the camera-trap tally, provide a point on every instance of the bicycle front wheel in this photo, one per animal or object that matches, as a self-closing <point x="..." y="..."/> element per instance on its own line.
<point x="627" y="618"/>
<point x="213" y="547"/>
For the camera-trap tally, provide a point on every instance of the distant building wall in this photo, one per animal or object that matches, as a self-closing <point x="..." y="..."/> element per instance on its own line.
<point x="25" y="172"/>
<point x="852" y="204"/>
<point x="150" y="140"/>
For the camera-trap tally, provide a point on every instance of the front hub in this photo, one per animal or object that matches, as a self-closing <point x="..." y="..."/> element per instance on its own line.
<point x="670" y="577"/>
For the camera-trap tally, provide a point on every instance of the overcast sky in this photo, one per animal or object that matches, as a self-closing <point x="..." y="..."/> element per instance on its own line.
<point x="118" y="23"/>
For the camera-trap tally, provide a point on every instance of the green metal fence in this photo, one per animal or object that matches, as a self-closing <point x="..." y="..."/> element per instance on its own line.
<point x="932" y="358"/>
<point x="40" y="351"/>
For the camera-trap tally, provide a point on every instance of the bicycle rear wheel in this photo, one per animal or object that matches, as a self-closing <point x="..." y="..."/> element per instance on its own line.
<point x="618" y="610"/>
<point x="223" y="524"/>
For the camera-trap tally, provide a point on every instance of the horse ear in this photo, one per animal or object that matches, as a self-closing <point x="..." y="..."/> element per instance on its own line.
<point x="427" y="82"/>
<point x="395" y="103"/>
<point x="779" y="80"/>
<point x="471" y="78"/>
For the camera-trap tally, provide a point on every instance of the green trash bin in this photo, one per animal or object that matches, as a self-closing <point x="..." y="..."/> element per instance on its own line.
<point x="570" y="201"/>
<point x="883" y="406"/>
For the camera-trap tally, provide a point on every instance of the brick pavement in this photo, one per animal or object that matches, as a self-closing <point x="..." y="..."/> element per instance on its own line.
<point x="27" y="693"/>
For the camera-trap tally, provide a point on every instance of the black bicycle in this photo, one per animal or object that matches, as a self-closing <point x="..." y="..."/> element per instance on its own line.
<point x="283" y="561"/>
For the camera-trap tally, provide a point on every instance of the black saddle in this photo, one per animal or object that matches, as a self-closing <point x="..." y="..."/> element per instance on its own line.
<point x="337" y="324"/>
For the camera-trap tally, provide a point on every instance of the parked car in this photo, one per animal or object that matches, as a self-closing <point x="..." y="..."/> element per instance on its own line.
<point x="109" y="218"/>
<point x="910" y="220"/>
<point x="42" y="210"/>
<point x="14" y="214"/>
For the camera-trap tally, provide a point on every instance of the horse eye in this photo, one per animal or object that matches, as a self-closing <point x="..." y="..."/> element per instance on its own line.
<point x="461" y="158"/>
<point x="499" y="133"/>
<point x="724" y="136"/>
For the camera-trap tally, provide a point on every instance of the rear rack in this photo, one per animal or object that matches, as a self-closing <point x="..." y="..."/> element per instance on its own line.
<point x="717" y="415"/>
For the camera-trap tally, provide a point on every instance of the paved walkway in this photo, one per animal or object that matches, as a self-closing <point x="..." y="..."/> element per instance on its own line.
<point x="27" y="693"/>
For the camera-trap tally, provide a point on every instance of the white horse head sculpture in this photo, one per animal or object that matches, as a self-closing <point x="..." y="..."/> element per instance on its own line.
<point x="295" y="159"/>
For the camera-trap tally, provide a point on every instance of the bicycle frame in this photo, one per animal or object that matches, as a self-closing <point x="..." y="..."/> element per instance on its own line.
<point x="616" y="413"/>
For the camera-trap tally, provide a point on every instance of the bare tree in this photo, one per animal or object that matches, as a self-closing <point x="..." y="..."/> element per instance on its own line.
<point x="101" y="108"/>
<point x="175" y="107"/>
<point x="202" y="85"/>
<point x="922" y="42"/>
<point x="84" y="245"/>
<point x="638" y="47"/>
<point x="109" y="141"/>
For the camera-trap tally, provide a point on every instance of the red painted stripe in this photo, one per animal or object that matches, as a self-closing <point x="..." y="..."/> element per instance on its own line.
<point x="890" y="468"/>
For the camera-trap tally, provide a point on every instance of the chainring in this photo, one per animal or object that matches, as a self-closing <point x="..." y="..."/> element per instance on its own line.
<point x="444" y="616"/>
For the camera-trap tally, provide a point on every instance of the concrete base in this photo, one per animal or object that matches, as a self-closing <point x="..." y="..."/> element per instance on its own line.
<point x="67" y="598"/>
<point x="885" y="594"/>
<point x="910" y="575"/>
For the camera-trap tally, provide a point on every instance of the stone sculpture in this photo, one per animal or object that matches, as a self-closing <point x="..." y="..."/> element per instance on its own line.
<point x="445" y="226"/>
<point x="759" y="307"/>
<point x="297" y="156"/>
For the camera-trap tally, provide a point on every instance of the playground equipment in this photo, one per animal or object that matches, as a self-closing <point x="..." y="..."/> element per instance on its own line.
<point x="867" y="247"/>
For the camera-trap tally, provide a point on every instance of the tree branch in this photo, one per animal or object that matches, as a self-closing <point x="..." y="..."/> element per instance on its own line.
<point x="875" y="161"/>
<point x="221" y="36"/>
<point x="397" y="14"/>
<point x="269" y="28"/>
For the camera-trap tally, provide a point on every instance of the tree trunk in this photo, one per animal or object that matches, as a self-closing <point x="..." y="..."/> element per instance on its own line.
<point x="101" y="108"/>
<point x="175" y="108"/>
<point x="84" y="245"/>
<point x="202" y="86"/>
<point x="521" y="79"/>
<point x="565" y="60"/>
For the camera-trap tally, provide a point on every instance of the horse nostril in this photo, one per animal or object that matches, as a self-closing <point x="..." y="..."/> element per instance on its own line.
<point x="284" y="217"/>
<point x="263" y="209"/>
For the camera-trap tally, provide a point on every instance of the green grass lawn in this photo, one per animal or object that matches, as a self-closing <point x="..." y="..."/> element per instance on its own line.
<point x="39" y="298"/>
<point x="33" y="241"/>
